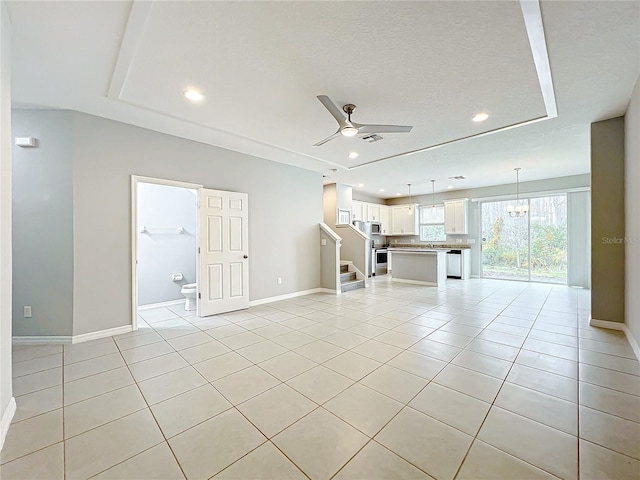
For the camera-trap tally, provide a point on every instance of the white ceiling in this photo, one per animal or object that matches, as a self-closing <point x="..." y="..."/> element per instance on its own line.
<point x="261" y="65"/>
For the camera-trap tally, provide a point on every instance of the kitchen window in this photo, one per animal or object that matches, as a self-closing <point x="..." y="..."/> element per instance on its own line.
<point x="432" y="224"/>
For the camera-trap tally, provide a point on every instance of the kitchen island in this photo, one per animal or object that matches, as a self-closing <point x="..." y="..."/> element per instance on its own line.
<point x="420" y="266"/>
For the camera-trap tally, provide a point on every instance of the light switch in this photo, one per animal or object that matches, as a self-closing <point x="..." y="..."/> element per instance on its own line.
<point x="323" y="242"/>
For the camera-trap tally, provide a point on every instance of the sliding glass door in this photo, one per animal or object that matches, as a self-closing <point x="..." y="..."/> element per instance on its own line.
<point x="505" y="243"/>
<point x="532" y="247"/>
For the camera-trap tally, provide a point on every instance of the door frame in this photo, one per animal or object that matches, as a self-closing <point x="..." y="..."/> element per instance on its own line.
<point x="135" y="179"/>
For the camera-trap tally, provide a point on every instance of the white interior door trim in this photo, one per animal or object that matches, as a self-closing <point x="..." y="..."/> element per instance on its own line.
<point x="135" y="179"/>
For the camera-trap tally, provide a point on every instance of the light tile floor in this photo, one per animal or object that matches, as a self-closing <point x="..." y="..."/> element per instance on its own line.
<point x="484" y="379"/>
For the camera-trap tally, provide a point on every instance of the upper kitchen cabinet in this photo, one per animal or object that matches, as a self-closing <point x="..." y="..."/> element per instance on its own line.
<point x="455" y="217"/>
<point x="385" y="219"/>
<point x="357" y="210"/>
<point x="373" y="212"/>
<point x="404" y="220"/>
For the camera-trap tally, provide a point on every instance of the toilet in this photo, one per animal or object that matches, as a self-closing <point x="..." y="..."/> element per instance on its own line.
<point x="189" y="291"/>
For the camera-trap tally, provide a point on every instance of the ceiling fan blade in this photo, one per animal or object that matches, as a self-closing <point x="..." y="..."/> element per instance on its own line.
<point x="333" y="109"/>
<point x="322" y="142"/>
<point x="383" y="128"/>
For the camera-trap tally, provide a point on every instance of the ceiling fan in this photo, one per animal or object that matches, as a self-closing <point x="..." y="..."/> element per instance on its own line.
<point x="348" y="128"/>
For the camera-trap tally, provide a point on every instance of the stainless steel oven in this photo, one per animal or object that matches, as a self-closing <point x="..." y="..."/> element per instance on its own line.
<point x="379" y="261"/>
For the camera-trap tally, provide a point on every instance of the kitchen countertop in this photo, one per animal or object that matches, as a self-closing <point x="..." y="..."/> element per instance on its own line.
<point x="418" y="246"/>
<point x="417" y="250"/>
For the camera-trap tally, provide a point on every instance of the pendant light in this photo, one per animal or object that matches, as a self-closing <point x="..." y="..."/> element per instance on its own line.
<point x="409" y="212"/>
<point x="433" y="194"/>
<point x="518" y="210"/>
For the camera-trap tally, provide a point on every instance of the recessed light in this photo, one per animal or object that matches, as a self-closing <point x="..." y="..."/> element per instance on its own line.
<point x="361" y="185"/>
<point x="353" y="155"/>
<point x="381" y="190"/>
<point x="480" y="117"/>
<point x="193" y="95"/>
<point x="450" y="187"/>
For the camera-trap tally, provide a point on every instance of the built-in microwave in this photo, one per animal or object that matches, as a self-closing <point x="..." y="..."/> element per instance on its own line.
<point x="376" y="228"/>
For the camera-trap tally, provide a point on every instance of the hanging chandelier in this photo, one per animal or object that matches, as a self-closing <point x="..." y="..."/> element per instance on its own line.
<point x="518" y="210"/>
<point x="409" y="212"/>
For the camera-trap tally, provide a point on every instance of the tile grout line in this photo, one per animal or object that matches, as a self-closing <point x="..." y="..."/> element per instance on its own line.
<point x="368" y="338"/>
<point x="475" y="437"/>
<point x="406" y="405"/>
<point x="152" y="415"/>
<point x="578" y="449"/>
<point x="64" y="409"/>
<point x="234" y="407"/>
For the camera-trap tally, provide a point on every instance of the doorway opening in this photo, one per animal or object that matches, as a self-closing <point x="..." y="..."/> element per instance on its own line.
<point x="530" y="248"/>
<point x="164" y="247"/>
<point x="189" y="249"/>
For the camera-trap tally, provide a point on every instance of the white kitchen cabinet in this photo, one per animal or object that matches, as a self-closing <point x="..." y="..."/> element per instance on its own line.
<point x="373" y="212"/>
<point x="403" y="221"/>
<point x="356" y="210"/>
<point x="385" y="219"/>
<point x="455" y="217"/>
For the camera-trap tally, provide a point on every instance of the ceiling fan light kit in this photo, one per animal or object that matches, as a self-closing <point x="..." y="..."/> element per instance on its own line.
<point x="347" y="128"/>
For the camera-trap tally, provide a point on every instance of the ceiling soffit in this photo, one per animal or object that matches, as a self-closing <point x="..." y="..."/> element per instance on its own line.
<point x="261" y="64"/>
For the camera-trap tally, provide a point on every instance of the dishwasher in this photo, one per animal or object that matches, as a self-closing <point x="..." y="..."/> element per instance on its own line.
<point x="454" y="263"/>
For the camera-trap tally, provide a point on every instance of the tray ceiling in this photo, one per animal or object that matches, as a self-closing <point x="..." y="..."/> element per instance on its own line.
<point x="260" y="66"/>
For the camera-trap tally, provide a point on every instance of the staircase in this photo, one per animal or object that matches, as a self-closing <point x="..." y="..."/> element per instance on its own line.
<point x="348" y="280"/>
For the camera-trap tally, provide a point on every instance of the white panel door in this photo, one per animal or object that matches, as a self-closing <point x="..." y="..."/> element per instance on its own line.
<point x="223" y="274"/>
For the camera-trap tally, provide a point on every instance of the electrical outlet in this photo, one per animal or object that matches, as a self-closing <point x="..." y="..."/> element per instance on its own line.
<point x="413" y="241"/>
<point x="27" y="311"/>
<point x="471" y="240"/>
<point x="279" y="281"/>
<point x="323" y="242"/>
<point x="458" y="240"/>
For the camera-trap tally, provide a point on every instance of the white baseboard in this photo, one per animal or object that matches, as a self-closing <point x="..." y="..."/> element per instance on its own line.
<point x="109" y="332"/>
<point x="618" y="326"/>
<point x="286" y="296"/>
<point x="85" y="337"/>
<point x="162" y="304"/>
<point x="7" y="416"/>
<point x="41" y="339"/>
<point x="414" y="282"/>
<point x="330" y="291"/>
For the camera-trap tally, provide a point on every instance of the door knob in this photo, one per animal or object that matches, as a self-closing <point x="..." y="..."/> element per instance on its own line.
<point x="245" y="256"/>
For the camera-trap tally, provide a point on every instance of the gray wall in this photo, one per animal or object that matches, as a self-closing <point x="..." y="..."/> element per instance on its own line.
<point x="473" y="212"/>
<point x="344" y="195"/>
<point x="363" y="197"/>
<point x="5" y="211"/>
<point x="43" y="224"/>
<point x="607" y="220"/>
<point x="335" y="197"/>
<point x="632" y="224"/>
<point x="284" y="211"/>
<point x="329" y="259"/>
<point x="285" y="208"/>
<point x="162" y="252"/>
<point x="330" y="204"/>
